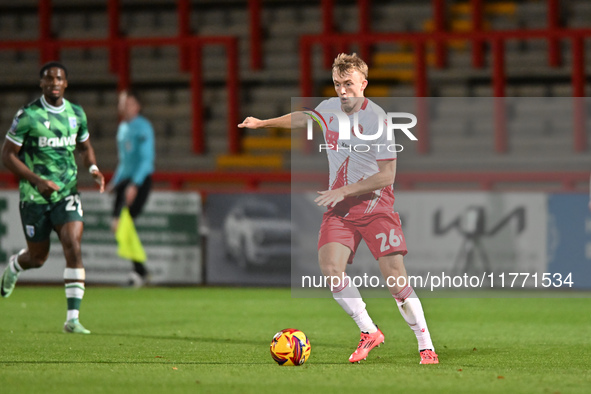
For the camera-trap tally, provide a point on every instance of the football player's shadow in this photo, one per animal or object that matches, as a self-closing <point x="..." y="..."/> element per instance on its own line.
<point x="197" y="339"/>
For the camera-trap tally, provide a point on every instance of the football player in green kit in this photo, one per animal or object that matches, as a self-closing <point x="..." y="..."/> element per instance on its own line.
<point x="39" y="149"/>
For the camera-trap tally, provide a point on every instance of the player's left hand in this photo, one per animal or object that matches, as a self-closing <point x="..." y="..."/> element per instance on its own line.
<point x="100" y="179"/>
<point x="330" y="197"/>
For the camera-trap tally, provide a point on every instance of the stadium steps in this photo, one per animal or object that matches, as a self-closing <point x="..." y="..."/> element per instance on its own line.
<point x="456" y="25"/>
<point x="265" y="93"/>
<point x="248" y="161"/>
<point x="407" y="58"/>
<point x="269" y="143"/>
<point x="399" y="75"/>
<point x="508" y="8"/>
<point x="372" y="90"/>
<point x="377" y="91"/>
<point x="399" y="65"/>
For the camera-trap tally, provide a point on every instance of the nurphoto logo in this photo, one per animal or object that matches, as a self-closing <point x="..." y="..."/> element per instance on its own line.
<point x="351" y="138"/>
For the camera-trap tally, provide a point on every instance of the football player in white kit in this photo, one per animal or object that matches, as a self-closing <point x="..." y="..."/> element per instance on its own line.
<point x="360" y="203"/>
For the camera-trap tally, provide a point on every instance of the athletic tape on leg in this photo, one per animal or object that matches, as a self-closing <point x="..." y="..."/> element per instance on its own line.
<point x="75" y="274"/>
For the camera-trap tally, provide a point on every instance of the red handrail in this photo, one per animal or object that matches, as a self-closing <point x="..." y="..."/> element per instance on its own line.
<point x="567" y="181"/>
<point x="253" y="181"/>
<point x="233" y="97"/>
<point x="184" y="18"/>
<point x="420" y="69"/>
<point x="500" y="121"/>
<point x="553" y="17"/>
<point x="578" y="70"/>
<point x="197" y="99"/>
<point x="440" y="36"/>
<point x="497" y="38"/>
<point x="256" y="35"/>
<point x="477" y="11"/>
<point x="119" y="61"/>
<point x="123" y="65"/>
<point x="424" y="145"/>
<point x="488" y="180"/>
<point x="8" y="180"/>
<point x="439" y="13"/>
<point x="327" y="9"/>
<point x="45" y="34"/>
<point x="327" y="12"/>
<point x="114" y="34"/>
<point x="119" y="51"/>
<point x="364" y="11"/>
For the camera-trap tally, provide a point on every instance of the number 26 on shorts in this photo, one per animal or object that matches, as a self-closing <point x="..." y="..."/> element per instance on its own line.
<point x="387" y="240"/>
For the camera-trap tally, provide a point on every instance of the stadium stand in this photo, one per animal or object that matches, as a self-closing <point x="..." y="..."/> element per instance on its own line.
<point x="271" y="69"/>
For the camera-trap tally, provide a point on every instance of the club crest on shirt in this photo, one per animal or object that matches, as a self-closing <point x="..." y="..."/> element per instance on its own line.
<point x="47" y="124"/>
<point x="30" y="230"/>
<point x="73" y="123"/>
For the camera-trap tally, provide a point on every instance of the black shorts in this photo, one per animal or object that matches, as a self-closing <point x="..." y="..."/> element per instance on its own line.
<point x="136" y="207"/>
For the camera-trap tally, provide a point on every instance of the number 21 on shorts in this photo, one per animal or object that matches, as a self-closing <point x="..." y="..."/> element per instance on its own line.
<point x="388" y="240"/>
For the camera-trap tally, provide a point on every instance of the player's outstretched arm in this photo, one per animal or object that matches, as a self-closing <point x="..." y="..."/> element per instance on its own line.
<point x="87" y="153"/>
<point x="292" y="120"/>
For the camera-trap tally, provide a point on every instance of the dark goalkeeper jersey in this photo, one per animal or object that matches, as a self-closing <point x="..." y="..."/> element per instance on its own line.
<point x="47" y="136"/>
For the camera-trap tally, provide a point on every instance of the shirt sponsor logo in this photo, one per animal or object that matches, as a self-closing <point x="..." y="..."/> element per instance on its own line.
<point x="57" y="142"/>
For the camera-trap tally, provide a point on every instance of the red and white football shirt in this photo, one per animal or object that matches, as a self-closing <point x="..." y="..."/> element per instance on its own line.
<point x="355" y="159"/>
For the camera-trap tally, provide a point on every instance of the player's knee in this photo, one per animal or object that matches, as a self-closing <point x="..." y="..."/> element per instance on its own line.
<point x="71" y="248"/>
<point x="392" y="265"/>
<point x="37" y="260"/>
<point x="70" y="242"/>
<point x="331" y="267"/>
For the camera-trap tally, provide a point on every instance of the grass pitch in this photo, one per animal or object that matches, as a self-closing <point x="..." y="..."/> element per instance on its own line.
<point x="182" y="340"/>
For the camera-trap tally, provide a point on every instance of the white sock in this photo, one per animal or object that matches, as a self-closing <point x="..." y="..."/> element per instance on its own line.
<point x="411" y="310"/>
<point x="13" y="263"/>
<point x="72" y="314"/>
<point x="350" y="300"/>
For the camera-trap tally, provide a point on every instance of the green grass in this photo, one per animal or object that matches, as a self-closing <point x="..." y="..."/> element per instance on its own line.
<point x="182" y="340"/>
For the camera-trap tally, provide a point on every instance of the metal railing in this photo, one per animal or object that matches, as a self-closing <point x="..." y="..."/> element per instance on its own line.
<point x="190" y="47"/>
<point x="333" y="42"/>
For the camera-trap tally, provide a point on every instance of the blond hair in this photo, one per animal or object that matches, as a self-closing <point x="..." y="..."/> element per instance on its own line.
<point x="344" y="64"/>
